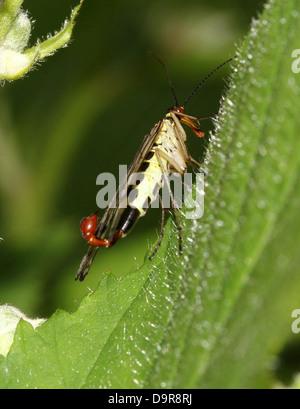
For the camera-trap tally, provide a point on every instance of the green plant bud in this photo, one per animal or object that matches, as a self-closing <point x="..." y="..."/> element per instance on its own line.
<point x="18" y="35"/>
<point x="15" y="29"/>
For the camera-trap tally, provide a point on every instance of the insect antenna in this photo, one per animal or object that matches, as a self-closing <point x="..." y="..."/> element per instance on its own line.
<point x="206" y="78"/>
<point x="168" y="77"/>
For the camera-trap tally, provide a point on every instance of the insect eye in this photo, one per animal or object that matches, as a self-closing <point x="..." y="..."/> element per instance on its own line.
<point x="89" y="225"/>
<point x="175" y="109"/>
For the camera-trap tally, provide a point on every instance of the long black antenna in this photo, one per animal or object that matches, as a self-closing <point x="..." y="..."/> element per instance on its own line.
<point x="168" y="77"/>
<point x="205" y="79"/>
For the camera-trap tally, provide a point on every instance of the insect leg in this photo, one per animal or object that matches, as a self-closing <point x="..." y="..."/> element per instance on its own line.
<point x="196" y="118"/>
<point x="196" y="165"/>
<point x="181" y="137"/>
<point x="158" y="152"/>
<point x="170" y="161"/>
<point x="162" y="229"/>
<point x="194" y="127"/>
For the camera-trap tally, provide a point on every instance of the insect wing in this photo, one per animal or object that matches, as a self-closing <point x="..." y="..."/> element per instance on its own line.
<point x="86" y="263"/>
<point x="109" y="221"/>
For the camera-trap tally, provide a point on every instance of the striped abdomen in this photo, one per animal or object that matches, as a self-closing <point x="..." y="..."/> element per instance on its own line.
<point x="150" y="174"/>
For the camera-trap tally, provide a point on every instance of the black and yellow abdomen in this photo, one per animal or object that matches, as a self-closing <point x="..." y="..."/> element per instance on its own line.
<point x="150" y="175"/>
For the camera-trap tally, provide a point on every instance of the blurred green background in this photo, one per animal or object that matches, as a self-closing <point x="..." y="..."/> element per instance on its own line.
<point x="84" y="111"/>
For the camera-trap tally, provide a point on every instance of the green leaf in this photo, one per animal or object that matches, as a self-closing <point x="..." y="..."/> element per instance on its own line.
<point x="214" y="316"/>
<point x="9" y="319"/>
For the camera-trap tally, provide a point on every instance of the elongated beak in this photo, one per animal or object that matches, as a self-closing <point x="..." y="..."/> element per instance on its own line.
<point x="194" y="127"/>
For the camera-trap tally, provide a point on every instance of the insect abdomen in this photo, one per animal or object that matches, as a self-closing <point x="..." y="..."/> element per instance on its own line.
<point x="145" y="189"/>
<point x="142" y="193"/>
<point x="128" y="219"/>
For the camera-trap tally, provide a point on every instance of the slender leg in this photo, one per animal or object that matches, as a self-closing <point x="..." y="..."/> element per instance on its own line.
<point x="165" y="176"/>
<point x="195" y="164"/>
<point x="192" y="160"/>
<point x="162" y="229"/>
<point x="179" y="228"/>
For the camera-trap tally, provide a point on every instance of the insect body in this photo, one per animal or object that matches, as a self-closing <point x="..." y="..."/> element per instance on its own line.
<point x="162" y="152"/>
<point x="166" y="154"/>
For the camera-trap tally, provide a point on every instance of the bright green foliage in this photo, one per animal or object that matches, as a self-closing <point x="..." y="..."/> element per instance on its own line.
<point x="215" y="316"/>
<point x="9" y="319"/>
